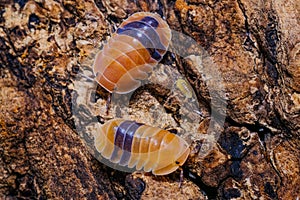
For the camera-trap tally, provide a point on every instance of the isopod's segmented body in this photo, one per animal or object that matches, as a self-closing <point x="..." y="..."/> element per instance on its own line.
<point x="133" y="144"/>
<point x="184" y="87"/>
<point x="133" y="50"/>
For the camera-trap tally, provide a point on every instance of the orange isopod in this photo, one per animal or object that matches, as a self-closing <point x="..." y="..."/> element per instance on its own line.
<point x="133" y="144"/>
<point x="133" y="50"/>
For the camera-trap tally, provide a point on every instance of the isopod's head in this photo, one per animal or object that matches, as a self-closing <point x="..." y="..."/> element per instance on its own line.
<point x="172" y="156"/>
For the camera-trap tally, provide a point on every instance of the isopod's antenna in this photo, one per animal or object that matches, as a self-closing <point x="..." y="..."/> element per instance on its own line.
<point x="86" y="77"/>
<point x="200" y="113"/>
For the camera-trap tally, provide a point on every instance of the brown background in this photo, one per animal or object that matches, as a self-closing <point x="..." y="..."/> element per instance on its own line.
<point x="254" y="44"/>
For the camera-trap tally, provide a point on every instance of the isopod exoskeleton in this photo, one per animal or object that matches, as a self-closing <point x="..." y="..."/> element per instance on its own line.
<point x="184" y="87"/>
<point x="133" y="144"/>
<point x="133" y="50"/>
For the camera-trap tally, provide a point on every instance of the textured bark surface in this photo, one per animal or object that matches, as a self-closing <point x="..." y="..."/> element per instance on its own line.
<point x="254" y="44"/>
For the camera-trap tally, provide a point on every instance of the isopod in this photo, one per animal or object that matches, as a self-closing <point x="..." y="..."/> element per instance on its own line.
<point x="147" y="148"/>
<point x="184" y="87"/>
<point x="131" y="53"/>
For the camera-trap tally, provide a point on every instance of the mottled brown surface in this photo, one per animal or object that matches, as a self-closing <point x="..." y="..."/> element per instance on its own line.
<point x="254" y="44"/>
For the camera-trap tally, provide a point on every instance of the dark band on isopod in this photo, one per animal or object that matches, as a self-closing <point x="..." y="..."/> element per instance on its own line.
<point x="123" y="140"/>
<point x="144" y="32"/>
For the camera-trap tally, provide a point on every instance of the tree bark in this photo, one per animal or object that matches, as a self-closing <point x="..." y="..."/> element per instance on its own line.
<point x="47" y="151"/>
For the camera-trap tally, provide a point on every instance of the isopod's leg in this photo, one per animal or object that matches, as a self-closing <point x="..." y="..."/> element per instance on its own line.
<point x="181" y="177"/>
<point x="142" y="173"/>
<point x="108" y="102"/>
